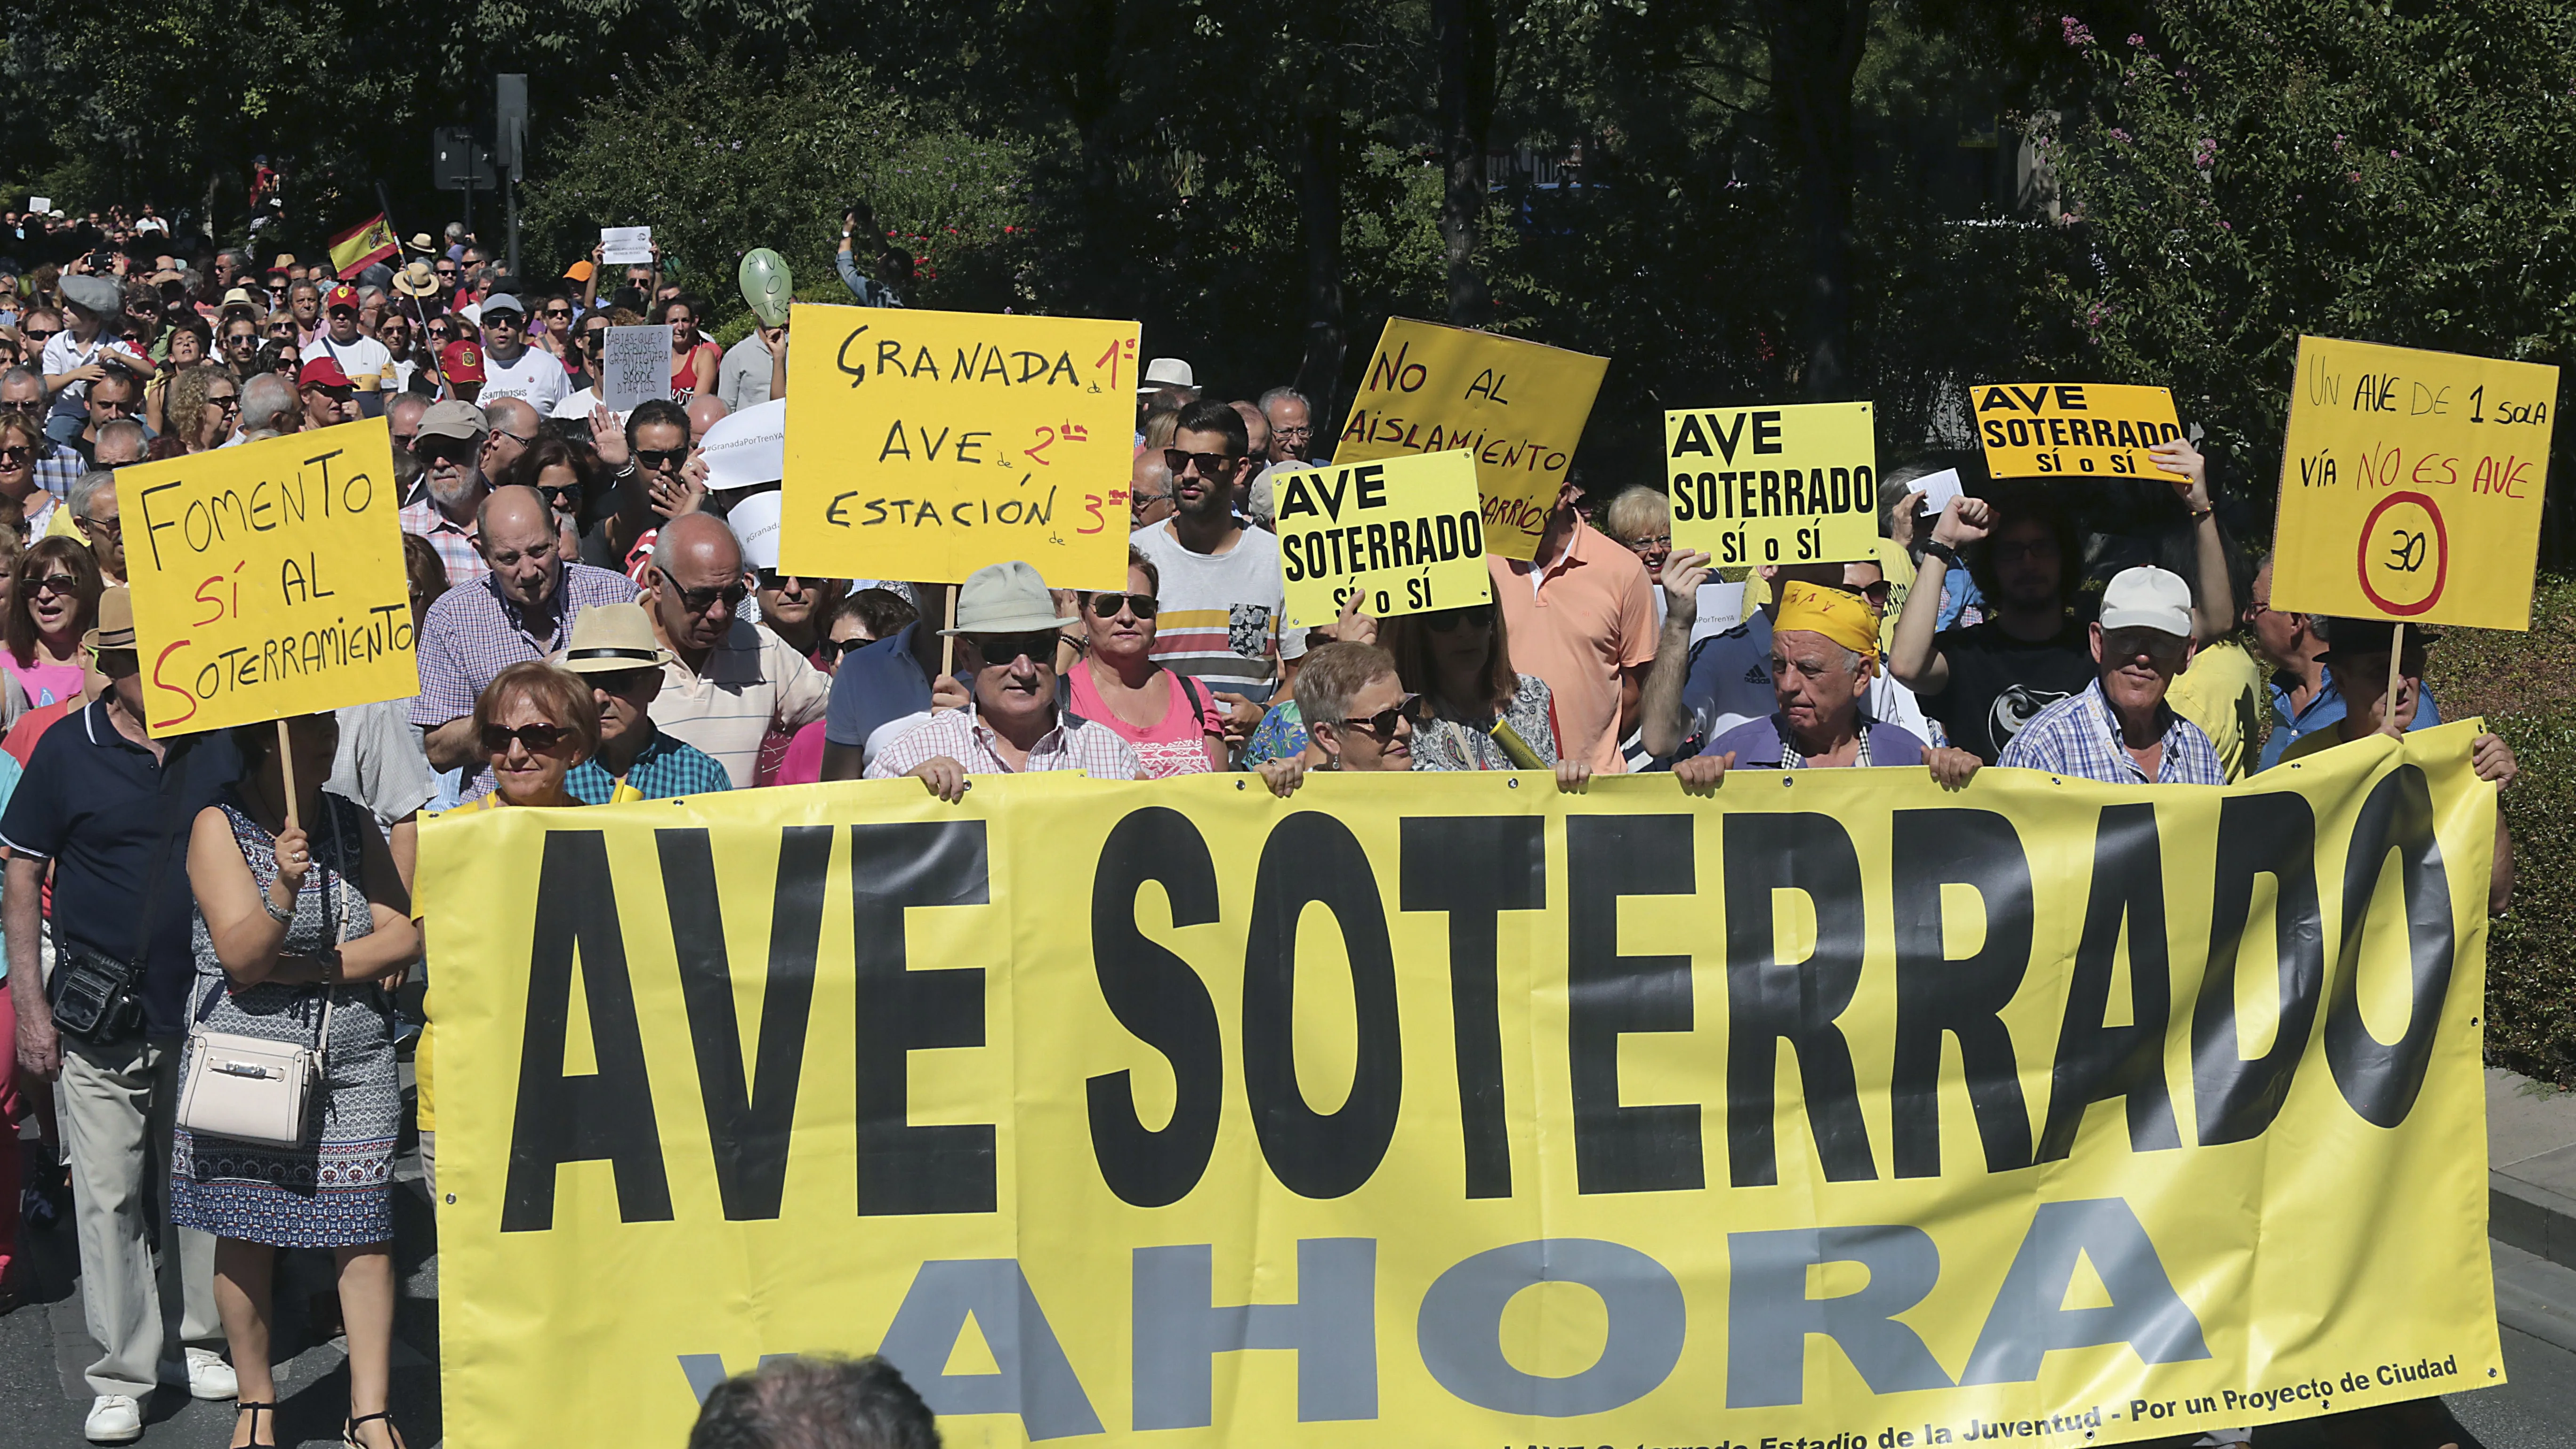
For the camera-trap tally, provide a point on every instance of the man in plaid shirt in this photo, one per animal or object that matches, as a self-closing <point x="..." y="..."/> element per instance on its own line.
<point x="1006" y="633"/>
<point x="450" y="448"/>
<point x="2120" y="730"/>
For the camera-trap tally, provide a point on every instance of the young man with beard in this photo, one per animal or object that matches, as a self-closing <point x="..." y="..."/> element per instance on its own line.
<point x="1223" y="604"/>
<point x="1984" y="684"/>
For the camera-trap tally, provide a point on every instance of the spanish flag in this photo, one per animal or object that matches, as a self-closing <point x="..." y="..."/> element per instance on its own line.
<point x="362" y="246"/>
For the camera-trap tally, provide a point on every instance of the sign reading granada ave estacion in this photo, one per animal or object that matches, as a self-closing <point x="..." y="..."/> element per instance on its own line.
<point x="268" y="579"/>
<point x="925" y="445"/>
<point x="1456" y="1109"/>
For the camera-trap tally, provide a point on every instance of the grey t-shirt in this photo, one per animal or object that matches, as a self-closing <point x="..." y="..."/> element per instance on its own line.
<point x="742" y="378"/>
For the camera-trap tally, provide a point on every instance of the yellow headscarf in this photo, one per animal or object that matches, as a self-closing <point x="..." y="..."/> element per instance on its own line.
<point x="1839" y="616"/>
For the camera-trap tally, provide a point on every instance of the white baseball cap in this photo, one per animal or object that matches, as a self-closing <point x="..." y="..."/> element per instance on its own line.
<point x="1165" y="372"/>
<point x="2148" y="598"/>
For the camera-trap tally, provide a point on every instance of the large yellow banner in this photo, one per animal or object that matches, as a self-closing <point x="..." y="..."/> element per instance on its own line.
<point x="1452" y="1109"/>
<point x="2411" y="485"/>
<point x="268" y="579"/>
<point x="925" y="445"/>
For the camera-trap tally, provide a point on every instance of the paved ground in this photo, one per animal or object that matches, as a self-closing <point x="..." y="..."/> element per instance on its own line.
<point x="43" y="1346"/>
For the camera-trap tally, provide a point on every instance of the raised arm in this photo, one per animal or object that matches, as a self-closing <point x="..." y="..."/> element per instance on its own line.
<point x="1914" y="661"/>
<point x="1659" y="706"/>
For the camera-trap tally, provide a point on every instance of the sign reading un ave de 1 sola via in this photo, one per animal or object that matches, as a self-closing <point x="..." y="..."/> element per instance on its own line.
<point x="1518" y="406"/>
<point x="2073" y="429"/>
<point x="1774" y="485"/>
<point x="2411" y="485"/>
<point x="925" y="445"/>
<point x="268" y="579"/>
<point x="1406" y="534"/>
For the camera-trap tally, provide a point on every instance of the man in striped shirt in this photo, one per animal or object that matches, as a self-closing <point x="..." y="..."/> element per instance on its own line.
<point x="1223" y="605"/>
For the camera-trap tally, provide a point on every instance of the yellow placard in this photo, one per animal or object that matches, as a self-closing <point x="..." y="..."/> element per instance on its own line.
<point x="2073" y="429"/>
<point x="925" y="445"/>
<point x="1407" y="535"/>
<point x="1834" y="1108"/>
<point x="1518" y="406"/>
<point x="2411" y="485"/>
<point x="1774" y="485"/>
<point x="268" y="579"/>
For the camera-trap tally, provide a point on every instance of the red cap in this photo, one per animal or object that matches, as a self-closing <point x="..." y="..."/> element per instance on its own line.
<point x="462" y="361"/>
<point x="342" y="295"/>
<point x="322" y="372"/>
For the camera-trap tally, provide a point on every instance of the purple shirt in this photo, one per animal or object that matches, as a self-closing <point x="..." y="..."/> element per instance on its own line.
<point x="473" y="633"/>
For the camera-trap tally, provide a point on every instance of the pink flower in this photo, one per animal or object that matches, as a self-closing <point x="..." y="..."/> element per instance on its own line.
<point x="2352" y="176"/>
<point x="2137" y="40"/>
<point x="2075" y="31"/>
<point x="2119" y="135"/>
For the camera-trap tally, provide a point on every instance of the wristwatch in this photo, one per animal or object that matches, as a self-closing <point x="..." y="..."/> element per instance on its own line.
<point x="1942" y="551"/>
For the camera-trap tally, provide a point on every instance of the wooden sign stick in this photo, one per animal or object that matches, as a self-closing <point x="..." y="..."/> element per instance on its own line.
<point x="2388" y="719"/>
<point x="286" y="772"/>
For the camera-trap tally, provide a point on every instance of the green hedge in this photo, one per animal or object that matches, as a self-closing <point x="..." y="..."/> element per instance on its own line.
<point x="2525" y="686"/>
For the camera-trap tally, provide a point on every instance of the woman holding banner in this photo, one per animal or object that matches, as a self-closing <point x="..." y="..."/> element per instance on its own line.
<point x="294" y="945"/>
<point x="1483" y="714"/>
<point x="1357" y="714"/>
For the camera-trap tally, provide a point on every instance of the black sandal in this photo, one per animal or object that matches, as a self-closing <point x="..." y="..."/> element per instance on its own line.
<point x="255" y="1410"/>
<point x="349" y="1429"/>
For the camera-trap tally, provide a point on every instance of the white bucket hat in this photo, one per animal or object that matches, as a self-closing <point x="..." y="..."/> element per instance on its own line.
<point x="1005" y="598"/>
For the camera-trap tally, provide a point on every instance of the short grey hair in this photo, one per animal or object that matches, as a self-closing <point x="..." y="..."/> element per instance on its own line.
<point x="264" y="400"/>
<point x="21" y="374"/>
<point x="1845" y="658"/>
<point x="123" y="430"/>
<point x="86" y="489"/>
<point x="1632" y="509"/>
<point x="1285" y="394"/>
<point x="455" y="231"/>
<point x="666" y="544"/>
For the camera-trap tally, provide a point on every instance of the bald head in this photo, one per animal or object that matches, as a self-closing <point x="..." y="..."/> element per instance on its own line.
<point x="402" y="415"/>
<point x="704" y="413"/>
<point x="1256" y="428"/>
<point x="516" y="532"/>
<point x="513" y="414"/>
<point x="698" y="542"/>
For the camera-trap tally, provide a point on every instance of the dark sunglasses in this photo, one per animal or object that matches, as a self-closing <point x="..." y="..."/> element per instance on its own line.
<point x="661" y="459"/>
<point x="852" y="645"/>
<point x="1037" y="644"/>
<point x="1210" y="465"/>
<point x="1107" y="606"/>
<point x="625" y="681"/>
<point x="558" y="495"/>
<point x="539" y="738"/>
<point x="774" y="580"/>
<point x="19" y="454"/>
<point x="54" y="584"/>
<point x="335" y="394"/>
<point x="1384" y="723"/>
<point x="40" y="334"/>
<point x="228" y="402"/>
<point x="504" y="319"/>
<point x="559" y="311"/>
<point x="698" y="601"/>
<point x="1448" y="621"/>
<point x="442" y="450"/>
<point x="242" y="339"/>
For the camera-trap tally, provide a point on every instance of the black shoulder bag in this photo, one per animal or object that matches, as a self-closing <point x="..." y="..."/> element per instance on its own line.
<point x="96" y="997"/>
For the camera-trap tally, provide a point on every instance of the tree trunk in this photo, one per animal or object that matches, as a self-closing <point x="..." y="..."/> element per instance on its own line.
<point x="1462" y="42"/>
<point x="1816" y="49"/>
<point x="1319" y="207"/>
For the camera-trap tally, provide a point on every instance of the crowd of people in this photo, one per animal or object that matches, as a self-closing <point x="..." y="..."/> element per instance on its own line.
<point x="601" y="617"/>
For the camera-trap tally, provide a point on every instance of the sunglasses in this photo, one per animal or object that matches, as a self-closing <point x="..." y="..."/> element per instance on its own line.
<point x="1385" y="722"/>
<point x="1038" y="646"/>
<point x="1109" y="606"/>
<point x="446" y="271"/>
<point x="335" y="394"/>
<point x="539" y="738"/>
<point x="434" y="451"/>
<point x="565" y="312"/>
<point x="1449" y="621"/>
<point x="773" y="580"/>
<point x="54" y="584"/>
<point x="503" y="319"/>
<point x="40" y="334"/>
<point x="852" y="645"/>
<point x="661" y="460"/>
<point x="560" y="495"/>
<point x="698" y="601"/>
<point x="1210" y="465"/>
<point x="17" y="455"/>
<point x="242" y="340"/>
<point x="625" y="681"/>
<point x="229" y="402"/>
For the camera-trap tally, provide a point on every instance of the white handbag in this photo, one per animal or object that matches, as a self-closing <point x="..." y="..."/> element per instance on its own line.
<point x="255" y="1089"/>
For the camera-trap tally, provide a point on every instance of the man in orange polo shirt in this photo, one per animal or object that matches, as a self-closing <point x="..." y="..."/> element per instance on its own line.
<point x="1582" y="618"/>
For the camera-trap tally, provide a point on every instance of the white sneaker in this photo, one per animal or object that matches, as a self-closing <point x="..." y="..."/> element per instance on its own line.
<point x="113" y="1419"/>
<point x="209" y="1377"/>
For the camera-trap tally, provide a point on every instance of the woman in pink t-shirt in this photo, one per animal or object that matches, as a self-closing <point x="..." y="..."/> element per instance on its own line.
<point x="1175" y="725"/>
<point x="52" y="601"/>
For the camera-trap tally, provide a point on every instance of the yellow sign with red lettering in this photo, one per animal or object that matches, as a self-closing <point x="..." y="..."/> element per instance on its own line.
<point x="2411" y="485"/>
<point x="2073" y="429"/>
<point x="925" y="445"/>
<point x="1518" y="406"/>
<point x="268" y="579"/>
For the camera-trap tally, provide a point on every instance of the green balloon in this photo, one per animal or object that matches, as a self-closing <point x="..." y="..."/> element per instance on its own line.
<point x="766" y="286"/>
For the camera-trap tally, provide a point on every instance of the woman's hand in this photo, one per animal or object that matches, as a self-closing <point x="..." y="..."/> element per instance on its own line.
<point x="1702" y="774"/>
<point x="1685" y="569"/>
<point x="1242" y="717"/>
<point x="1952" y="769"/>
<point x="2192" y="471"/>
<point x="1282" y="776"/>
<point x="1573" y="775"/>
<point x="294" y="857"/>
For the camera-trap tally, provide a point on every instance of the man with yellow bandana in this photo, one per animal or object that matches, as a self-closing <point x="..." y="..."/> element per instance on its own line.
<point x="1824" y="652"/>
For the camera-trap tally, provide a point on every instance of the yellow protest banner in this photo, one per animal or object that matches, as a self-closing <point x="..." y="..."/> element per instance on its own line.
<point x="925" y="445"/>
<point x="1836" y="1107"/>
<point x="2411" y="485"/>
<point x="1518" y="406"/>
<point x="1407" y="535"/>
<point x="268" y="579"/>
<point x="2073" y="429"/>
<point x="1774" y="485"/>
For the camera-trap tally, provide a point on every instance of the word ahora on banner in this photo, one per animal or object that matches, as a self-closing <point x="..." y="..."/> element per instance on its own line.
<point x="1837" y="1105"/>
<point x="268" y="579"/>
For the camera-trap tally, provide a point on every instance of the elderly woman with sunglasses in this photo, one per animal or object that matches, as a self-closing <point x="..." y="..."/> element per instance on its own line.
<point x="24" y="498"/>
<point x="204" y="409"/>
<point x="53" y="600"/>
<point x="1172" y="721"/>
<point x="1358" y="716"/>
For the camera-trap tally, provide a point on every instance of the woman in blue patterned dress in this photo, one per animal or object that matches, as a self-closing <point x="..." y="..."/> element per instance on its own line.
<point x="286" y="916"/>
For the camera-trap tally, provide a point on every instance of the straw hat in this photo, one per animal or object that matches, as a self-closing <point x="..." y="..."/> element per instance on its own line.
<point x="115" y="628"/>
<point x="611" y="638"/>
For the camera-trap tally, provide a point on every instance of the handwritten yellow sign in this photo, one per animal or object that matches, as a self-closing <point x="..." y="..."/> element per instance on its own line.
<point x="1796" y="484"/>
<point x="268" y="579"/>
<point x="2073" y="429"/>
<point x="1519" y="407"/>
<point x="2411" y="485"/>
<point x="925" y="445"/>
<point x="1406" y="534"/>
